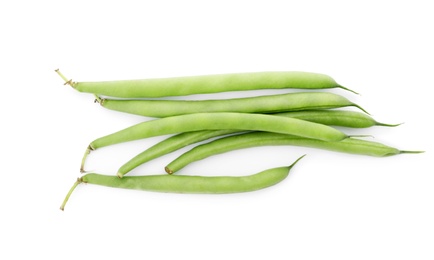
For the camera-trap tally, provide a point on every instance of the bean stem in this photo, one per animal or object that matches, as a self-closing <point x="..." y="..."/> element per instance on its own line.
<point x="79" y="180"/>
<point x="83" y="160"/>
<point x="67" y="82"/>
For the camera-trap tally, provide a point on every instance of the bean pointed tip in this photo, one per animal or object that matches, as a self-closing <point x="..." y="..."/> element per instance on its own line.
<point x="404" y="151"/>
<point x="296" y="161"/>
<point x="347" y="89"/>
<point x="388" y="125"/>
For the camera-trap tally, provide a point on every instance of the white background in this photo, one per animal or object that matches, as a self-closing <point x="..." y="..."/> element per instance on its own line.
<point x="332" y="206"/>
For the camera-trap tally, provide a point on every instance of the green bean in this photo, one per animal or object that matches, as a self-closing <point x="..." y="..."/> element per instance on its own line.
<point x="182" y="86"/>
<point x="169" y="145"/>
<point x="226" y="144"/>
<point x="188" y="184"/>
<point x="259" y="104"/>
<point x="343" y="118"/>
<point x="217" y="121"/>
<point x="327" y="117"/>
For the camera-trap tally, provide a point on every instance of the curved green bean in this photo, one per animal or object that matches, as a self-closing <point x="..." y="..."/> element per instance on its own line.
<point x="226" y="144"/>
<point x="259" y="104"/>
<point x="171" y="144"/>
<point x="182" y="86"/>
<point x="217" y="121"/>
<point x="188" y="184"/>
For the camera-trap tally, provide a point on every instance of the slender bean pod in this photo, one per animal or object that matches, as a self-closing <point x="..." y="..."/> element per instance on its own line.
<point x="259" y="104"/>
<point x="188" y="184"/>
<point x="343" y="118"/>
<point x="226" y="144"/>
<point x="182" y="86"/>
<point x="218" y="121"/>
<point x="171" y="144"/>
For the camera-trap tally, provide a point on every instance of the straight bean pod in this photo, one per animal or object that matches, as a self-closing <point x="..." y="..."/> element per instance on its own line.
<point x="171" y="144"/>
<point x="226" y="144"/>
<point x="188" y="184"/>
<point x="182" y="86"/>
<point x="218" y="121"/>
<point x="259" y="104"/>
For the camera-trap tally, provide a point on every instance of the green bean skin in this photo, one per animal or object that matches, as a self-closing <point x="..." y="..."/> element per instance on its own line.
<point x="220" y="121"/>
<point x="259" y="104"/>
<point x="343" y="118"/>
<point x="216" y="121"/>
<point x="192" y="184"/>
<point x="226" y="144"/>
<point x="171" y="144"/>
<point x="182" y="86"/>
<point x="188" y="184"/>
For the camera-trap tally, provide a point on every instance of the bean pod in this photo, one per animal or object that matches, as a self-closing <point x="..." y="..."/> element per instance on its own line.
<point x="226" y="144"/>
<point x="326" y="117"/>
<point x="182" y="86"/>
<point x="259" y="104"/>
<point x="188" y="184"/>
<point x="217" y="121"/>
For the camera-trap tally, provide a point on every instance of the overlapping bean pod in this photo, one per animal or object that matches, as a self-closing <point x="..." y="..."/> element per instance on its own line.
<point x="217" y="121"/>
<point x="327" y="117"/>
<point x="242" y="141"/>
<point x="203" y="119"/>
<point x="258" y="104"/>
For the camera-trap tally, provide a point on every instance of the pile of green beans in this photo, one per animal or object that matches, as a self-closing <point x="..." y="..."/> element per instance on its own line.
<point x="297" y="119"/>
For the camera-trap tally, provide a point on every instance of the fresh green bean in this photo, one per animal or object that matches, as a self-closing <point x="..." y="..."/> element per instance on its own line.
<point x="343" y="118"/>
<point x="226" y="144"/>
<point x="169" y="145"/>
<point x="188" y="184"/>
<point x="326" y="117"/>
<point x="182" y="86"/>
<point x="259" y="104"/>
<point x="217" y="121"/>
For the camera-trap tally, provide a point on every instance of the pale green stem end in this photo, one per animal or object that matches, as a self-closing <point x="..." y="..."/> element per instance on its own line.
<point x="67" y="81"/>
<point x="79" y="180"/>
<point x="98" y="99"/>
<point x="83" y="161"/>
